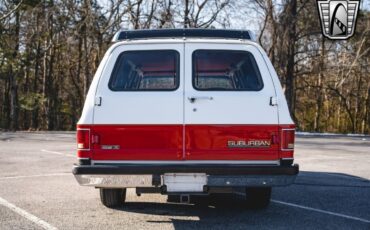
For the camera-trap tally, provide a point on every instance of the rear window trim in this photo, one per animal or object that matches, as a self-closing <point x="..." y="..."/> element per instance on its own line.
<point x="177" y="78"/>
<point x="225" y="90"/>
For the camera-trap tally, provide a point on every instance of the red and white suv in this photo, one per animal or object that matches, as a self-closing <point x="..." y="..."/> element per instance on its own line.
<point x="185" y="111"/>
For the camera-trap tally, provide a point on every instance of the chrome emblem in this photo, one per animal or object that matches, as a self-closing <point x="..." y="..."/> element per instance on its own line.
<point x="249" y="144"/>
<point x="338" y="17"/>
<point x="110" y="147"/>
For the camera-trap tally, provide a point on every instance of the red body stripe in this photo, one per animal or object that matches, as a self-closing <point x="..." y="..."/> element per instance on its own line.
<point x="165" y="142"/>
<point x="210" y="142"/>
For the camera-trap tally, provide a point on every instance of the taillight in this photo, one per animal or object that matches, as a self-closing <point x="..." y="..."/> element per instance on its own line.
<point x="83" y="139"/>
<point x="287" y="139"/>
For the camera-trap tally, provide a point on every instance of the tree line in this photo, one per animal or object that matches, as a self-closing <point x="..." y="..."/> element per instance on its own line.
<point x="50" y="50"/>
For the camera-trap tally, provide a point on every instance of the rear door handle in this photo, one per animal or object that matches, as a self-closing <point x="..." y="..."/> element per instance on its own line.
<point x="193" y="98"/>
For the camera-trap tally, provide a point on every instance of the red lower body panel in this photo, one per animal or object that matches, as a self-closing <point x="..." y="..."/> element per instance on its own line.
<point x="138" y="142"/>
<point x="210" y="142"/>
<point x="166" y="142"/>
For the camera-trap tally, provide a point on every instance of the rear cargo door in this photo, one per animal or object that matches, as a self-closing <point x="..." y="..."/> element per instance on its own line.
<point x="229" y="104"/>
<point x="139" y="107"/>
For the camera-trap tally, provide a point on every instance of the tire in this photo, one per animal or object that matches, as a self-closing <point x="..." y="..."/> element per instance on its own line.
<point x="112" y="197"/>
<point x="258" y="197"/>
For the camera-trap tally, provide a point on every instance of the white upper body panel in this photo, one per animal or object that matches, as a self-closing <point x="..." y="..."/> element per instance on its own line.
<point x="229" y="107"/>
<point x="171" y="107"/>
<point x="87" y="116"/>
<point x="139" y="107"/>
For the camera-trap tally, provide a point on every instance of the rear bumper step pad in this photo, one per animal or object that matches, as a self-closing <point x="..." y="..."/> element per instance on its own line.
<point x="209" y="169"/>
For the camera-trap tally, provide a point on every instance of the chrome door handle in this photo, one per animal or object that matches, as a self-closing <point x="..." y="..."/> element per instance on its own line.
<point x="193" y="99"/>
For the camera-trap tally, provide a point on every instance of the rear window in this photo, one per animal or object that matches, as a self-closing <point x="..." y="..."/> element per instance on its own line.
<point x="146" y="71"/>
<point x="225" y="70"/>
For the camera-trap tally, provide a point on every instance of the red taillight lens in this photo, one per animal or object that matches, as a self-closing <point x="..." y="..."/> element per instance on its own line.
<point x="287" y="139"/>
<point x="83" y="139"/>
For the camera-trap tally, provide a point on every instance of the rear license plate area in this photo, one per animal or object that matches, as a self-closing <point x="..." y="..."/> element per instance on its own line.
<point x="185" y="182"/>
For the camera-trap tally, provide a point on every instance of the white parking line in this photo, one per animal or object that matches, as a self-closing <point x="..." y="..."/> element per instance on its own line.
<point x="57" y="153"/>
<point x="39" y="175"/>
<point x="341" y="175"/>
<point x="27" y="215"/>
<point x="314" y="209"/>
<point x="321" y="211"/>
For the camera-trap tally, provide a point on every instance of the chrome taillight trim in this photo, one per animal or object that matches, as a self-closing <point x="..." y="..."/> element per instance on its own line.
<point x="85" y="149"/>
<point x="281" y="141"/>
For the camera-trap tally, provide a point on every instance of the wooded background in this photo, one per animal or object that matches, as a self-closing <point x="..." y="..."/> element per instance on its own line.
<point x="50" y="49"/>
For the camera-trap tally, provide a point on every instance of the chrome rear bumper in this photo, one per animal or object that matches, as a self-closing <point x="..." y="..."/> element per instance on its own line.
<point x="129" y="176"/>
<point x="115" y="181"/>
<point x="134" y="181"/>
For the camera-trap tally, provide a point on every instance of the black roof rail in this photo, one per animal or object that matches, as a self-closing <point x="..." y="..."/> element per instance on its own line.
<point x="180" y="33"/>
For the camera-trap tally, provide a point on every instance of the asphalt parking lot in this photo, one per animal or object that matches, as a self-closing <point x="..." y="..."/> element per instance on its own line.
<point x="38" y="191"/>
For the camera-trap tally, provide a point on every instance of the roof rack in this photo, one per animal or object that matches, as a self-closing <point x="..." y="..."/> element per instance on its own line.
<point x="180" y="33"/>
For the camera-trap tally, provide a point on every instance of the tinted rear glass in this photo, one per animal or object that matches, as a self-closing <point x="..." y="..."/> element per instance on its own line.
<point x="146" y="71"/>
<point x="225" y="70"/>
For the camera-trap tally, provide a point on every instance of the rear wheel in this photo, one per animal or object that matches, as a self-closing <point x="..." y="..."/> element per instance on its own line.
<point x="112" y="197"/>
<point x="258" y="197"/>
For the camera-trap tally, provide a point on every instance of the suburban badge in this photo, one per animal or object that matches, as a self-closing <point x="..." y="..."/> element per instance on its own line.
<point x="249" y="144"/>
